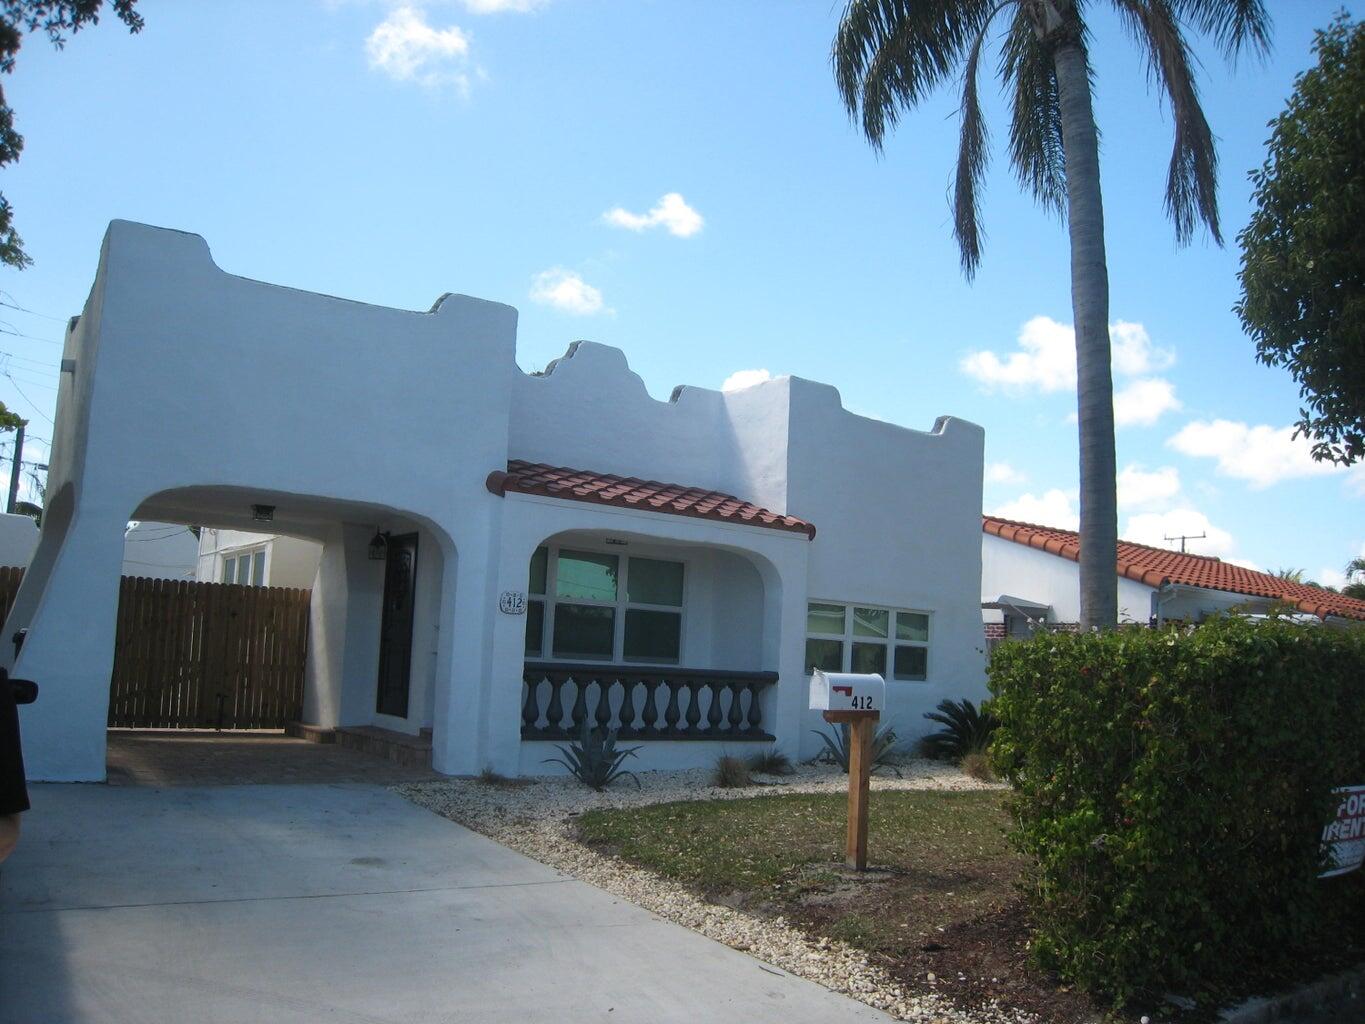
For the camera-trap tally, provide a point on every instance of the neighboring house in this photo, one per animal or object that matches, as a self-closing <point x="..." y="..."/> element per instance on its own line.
<point x="18" y="539"/>
<point x="498" y="561"/>
<point x="160" y="551"/>
<point x="1030" y="576"/>
<point x="257" y="559"/>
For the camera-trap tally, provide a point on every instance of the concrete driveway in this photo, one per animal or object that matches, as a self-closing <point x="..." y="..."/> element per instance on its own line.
<point x="294" y="903"/>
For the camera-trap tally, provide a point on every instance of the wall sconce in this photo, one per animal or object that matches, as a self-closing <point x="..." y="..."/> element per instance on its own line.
<point x="379" y="546"/>
<point x="263" y="513"/>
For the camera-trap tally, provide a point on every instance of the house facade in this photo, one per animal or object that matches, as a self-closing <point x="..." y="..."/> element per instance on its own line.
<point x="504" y="555"/>
<point x="160" y="551"/>
<point x="256" y="559"/>
<point x="1030" y="577"/>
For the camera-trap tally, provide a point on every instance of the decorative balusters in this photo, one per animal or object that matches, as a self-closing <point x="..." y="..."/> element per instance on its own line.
<point x="649" y="715"/>
<point x="736" y="715"/>
<point x="626" y="716"/>
<point x="693" y="708"/>
<point x="603" y="701"/>
<point x="579" y="714"/>
<point x="732" y="721"/>
<point x="554" y="714"/>
<point x="713" y="711"/>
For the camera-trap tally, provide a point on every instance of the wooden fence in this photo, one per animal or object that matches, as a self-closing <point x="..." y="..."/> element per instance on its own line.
<point x="202" y="655"/>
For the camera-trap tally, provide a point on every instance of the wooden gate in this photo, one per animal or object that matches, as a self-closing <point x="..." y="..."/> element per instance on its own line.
<point x="201" y="655"/>
<point x="208" y="656"/>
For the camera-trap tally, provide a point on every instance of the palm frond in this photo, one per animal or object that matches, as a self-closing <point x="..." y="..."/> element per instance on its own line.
<point x="890" y="54"/>
<point x="972" y="155"/>
<point x="1035" y="141"/>
<point x="1192" y="180"/>
<point x="1235" y="25"/>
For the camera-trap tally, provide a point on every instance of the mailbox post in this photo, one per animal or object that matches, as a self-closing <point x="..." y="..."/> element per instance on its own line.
<point x="856" y="700"/>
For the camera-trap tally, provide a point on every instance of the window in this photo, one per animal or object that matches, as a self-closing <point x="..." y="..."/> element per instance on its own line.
<point x="246" y="568"/>
<point x="857" y="638"/>
<point x="594" y="606"/>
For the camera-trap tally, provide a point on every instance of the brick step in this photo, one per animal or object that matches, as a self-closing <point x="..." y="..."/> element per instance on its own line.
<point x="397" y="747"/>
<point x="311" y="733"/>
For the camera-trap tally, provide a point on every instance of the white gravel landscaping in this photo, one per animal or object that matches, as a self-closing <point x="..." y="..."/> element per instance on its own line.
<point x="535" y="816"/>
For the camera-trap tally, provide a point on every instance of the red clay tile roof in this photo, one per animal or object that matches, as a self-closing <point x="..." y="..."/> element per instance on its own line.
<point x="1155" y="566"/>
<point x="632" y="492"/>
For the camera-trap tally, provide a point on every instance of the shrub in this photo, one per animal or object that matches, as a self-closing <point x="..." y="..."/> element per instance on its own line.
<point x="966" y="730"/>
<point x="836" y="748"/>
<point x="731" y="773"/>
<point x="771" y="762"/>
<point x="594" y="760"/>
<point x="978" y="765"/>
<point x="1170" y="788"/>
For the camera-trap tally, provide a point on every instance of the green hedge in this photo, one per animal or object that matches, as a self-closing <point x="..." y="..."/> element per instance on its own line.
<point x="1170" y="788"/>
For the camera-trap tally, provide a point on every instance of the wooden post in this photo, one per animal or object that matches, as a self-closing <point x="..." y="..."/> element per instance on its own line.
<point x="859" y="771"/>
<point x="861" y="726"/>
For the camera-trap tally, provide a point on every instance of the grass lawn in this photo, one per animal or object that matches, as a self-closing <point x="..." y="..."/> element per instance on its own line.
<point x="940" y="899"/>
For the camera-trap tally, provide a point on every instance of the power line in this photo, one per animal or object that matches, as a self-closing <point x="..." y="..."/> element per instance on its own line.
<point x="31" y="312"/>
<point x="27" y="399"/>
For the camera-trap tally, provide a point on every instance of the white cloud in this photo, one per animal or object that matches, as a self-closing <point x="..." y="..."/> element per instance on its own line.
<point x="745" y="379"/>
<point x="1137" y="486"/>
<point x="407" y="48"/>
<point x="1329" y="577"/>
<point x="1133" y="351"/>
<point x="1262" y="455"/>
<point x="1052" y="508"/>
<point x="671" y="213"/>
<point x="1152" y="528"/>
<point x="1046" y="362"/>
<point x="502" y="6"/>
<point x="1003" y="473"/>
<point x="1143" y="401"/>
<point x="565" y="290"/>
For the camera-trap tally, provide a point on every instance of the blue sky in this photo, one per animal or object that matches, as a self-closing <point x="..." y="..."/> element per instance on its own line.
<point x="680" y="180"/>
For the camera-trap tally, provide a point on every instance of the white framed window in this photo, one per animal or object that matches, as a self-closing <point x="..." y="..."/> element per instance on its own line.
<point x="866" y="638"/>
<point x="246" y="567"/>
<point x="601" y="606"/>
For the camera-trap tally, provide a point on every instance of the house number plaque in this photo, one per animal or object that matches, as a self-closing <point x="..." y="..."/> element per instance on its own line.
<point x="512" y="602"/>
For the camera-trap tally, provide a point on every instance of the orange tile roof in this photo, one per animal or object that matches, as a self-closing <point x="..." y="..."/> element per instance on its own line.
<point x="1155" y="566"/>
<point x="632" y="492"/>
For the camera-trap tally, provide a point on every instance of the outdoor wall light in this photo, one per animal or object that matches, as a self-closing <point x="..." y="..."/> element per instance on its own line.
<point x="379" y="546"/>
<point x="263" y="513"/>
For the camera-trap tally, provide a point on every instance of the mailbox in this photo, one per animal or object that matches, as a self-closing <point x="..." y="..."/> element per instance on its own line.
<point x="847" y="691"/>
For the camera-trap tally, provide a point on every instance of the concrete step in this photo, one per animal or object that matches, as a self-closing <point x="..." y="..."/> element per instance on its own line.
<point x="311" y="733"/>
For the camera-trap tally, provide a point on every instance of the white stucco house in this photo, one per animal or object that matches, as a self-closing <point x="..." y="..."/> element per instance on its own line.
<point x="256" y="559"/>
<point x="160" y="551"/>
<point x="499" y="559"/>
<point x="1030" y="576"/>
<point x="18" y="539"/>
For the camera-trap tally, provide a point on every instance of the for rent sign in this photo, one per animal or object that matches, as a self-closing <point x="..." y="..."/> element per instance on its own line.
<point x="1345" y="837"/>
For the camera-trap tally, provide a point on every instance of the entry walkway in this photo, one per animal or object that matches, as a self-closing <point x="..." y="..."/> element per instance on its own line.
<point x="178" y="757"/>
<point x="294" y="903"/>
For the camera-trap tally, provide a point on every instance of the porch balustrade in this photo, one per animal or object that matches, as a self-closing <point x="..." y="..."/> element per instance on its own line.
<point x="643" y="703"/>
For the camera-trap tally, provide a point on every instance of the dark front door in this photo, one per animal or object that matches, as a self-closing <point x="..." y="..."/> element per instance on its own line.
<point x="395" y="626"/>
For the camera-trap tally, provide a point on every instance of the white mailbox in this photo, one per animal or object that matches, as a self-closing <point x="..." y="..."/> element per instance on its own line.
<point x="847" y="691"/>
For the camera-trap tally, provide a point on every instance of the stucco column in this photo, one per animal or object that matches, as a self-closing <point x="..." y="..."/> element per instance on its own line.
<point x="69" y="650"/>
<point x="322" y="679"/>
<point x="462" y="672"/>
<point x="784" y="643"/>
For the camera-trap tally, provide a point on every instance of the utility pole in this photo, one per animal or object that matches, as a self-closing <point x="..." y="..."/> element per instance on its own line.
<point x="1181" y="537"/>
<point x="15" y="468"/>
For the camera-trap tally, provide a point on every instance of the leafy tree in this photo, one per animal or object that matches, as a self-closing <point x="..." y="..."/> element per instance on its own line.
<point x="57" y="19"/>
<point x="1303" y="253"/>
<point x="889" y="55"/>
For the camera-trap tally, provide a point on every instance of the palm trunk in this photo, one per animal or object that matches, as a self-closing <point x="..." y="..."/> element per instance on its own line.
<point x="1090" y="311"/>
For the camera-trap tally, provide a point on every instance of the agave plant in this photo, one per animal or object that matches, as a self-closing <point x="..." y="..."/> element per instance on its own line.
<point x="967" y="730"/>
<point x="594" y="759"/>
<point x="837" y="746"/>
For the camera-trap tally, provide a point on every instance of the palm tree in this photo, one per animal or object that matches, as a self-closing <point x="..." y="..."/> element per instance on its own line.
<point x="889" y="55"/>
<point x="1354" y="586"/>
